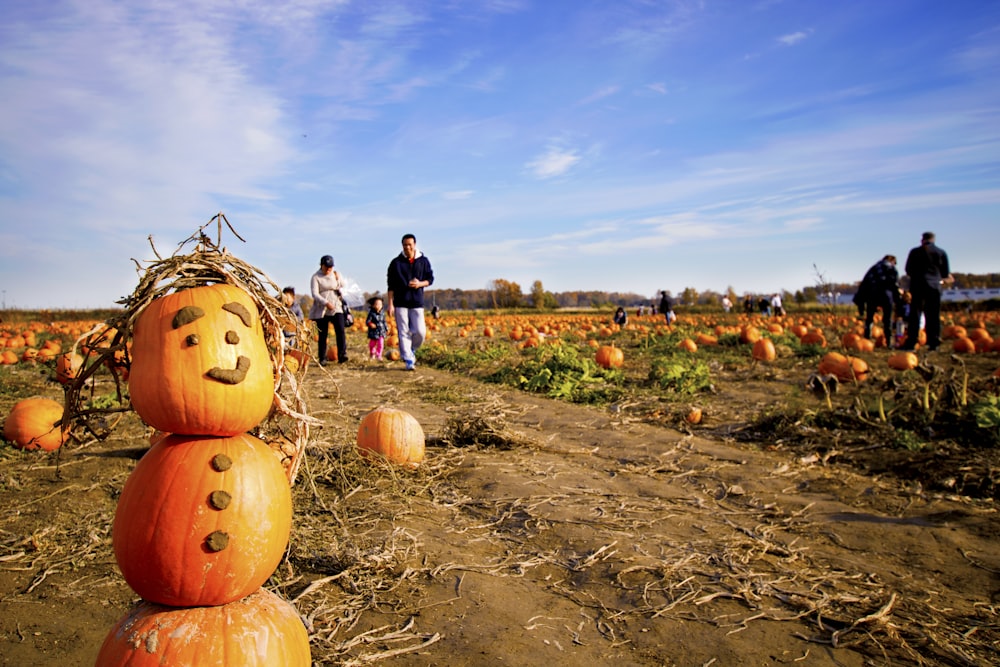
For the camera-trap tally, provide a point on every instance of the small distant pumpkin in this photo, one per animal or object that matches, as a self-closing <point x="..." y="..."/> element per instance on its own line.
<point x="845" y="368"/>
<point x="902" y="360"/>
<point x="31" y="424"/>
<point x="963" y="345"/>
<point x="694" y="415"/>
<point x="688" y="345"/>
<point x="609" y="356"/>
<point x="763" y="350"/>
<point x="68" y="366"/>
<point x="393" y="434"/>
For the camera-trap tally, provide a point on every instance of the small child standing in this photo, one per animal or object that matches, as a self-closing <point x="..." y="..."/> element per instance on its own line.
<point x="377" y="328"/>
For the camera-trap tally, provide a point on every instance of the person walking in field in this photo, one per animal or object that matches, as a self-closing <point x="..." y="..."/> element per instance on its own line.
<point x="928" y="269"/>
<point x="377" y="328"/>
<point x="409" y="273"/>
<point x="880" y="289"/>
<point x="667" y="307"/>
<point x="328" y="308"/>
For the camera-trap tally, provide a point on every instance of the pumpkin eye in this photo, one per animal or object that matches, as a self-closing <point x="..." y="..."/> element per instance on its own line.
<point x="187" y="315"/>
<point x="232" y="337"/>
<point x="240" y="311"/>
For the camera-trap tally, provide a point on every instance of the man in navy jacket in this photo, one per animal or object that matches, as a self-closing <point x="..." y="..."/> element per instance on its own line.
<point x="409" y="273"/>
<point x="927" y="267"/>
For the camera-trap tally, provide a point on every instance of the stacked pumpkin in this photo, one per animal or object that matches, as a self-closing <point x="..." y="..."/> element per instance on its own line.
<point x="204" y="519"/>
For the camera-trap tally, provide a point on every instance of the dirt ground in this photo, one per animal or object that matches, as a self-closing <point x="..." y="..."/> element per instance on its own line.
<point x="576" y="536"/>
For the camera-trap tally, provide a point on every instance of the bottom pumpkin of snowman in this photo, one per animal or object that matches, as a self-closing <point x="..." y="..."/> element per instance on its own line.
<point x="261" y="630"/>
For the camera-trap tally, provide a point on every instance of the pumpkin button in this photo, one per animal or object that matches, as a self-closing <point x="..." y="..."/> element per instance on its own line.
<point x="221" y="463"/>
<point x="217" y="541"/>
<point x="220" y="499"/>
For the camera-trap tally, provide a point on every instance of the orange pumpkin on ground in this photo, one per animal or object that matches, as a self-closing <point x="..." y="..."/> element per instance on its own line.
<point x="903" y="360"/>
<point x="68" y="367"/>
<point x="393" y="434"/>
<point x="706" y="339"/>
<point x="200" y="364"/>
<point x="260" y="630"/>
<point x="814" y="337"/>
<point x="609" y="356"/>
<point x="846" y="369"/>
<point x="688" y="345"/>
<point x="963" y="345"/>
<point x="694" y="415"/>
<point x="31" y="424"/>
<point x="202" y="520"/>
<point x="763" y="350"/>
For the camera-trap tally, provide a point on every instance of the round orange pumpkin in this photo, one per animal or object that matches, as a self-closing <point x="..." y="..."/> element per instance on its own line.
<point x="963" y="345"/>
<point x="31" y="424"/>
<point x="68" y="366"/>
<point x="200" y="364"/>
<point x="902" y="360"/>
<point x="847" y="369"/>
<point x="688" y="345"/>
<point x="749" y="334"/>
<point x="260" y="630"/>
<point x="202" y="520"/>
<point x="393" y="434"/>
<point x="763" y="350"/>
<point x="694" y="415"/>
<point x="609" y="356"/>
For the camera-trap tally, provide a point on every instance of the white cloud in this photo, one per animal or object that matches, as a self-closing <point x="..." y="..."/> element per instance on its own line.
<point x="457" y="194"/>
<point x="554" y="162"/>
<point x="793" y="38"/>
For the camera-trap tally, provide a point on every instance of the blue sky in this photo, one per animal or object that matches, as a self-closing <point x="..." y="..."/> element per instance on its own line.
<point x="621" y="145"/>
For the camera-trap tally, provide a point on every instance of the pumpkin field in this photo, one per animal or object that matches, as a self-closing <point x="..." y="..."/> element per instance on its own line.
<point x="729" y="489"/>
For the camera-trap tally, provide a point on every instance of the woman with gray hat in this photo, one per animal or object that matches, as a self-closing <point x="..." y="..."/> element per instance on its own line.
<point x="328" y="308"/>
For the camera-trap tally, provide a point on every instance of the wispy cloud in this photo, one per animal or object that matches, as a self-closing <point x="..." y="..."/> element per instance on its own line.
<point x="553" y="162"/>
<point x="598" y="95"/>
<point x="794" y="37"/>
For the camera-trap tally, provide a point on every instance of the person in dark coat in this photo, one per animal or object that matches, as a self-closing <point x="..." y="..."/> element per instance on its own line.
<point x="928" y="269"/>
<point x="880" y="289"/>
<point x="667" y="307"/>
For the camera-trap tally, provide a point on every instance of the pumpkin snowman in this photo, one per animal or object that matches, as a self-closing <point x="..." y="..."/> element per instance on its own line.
<point x="205" y="516"/>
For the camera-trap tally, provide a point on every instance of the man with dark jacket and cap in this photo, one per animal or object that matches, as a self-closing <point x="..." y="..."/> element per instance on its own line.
<point x="927" y="267"/>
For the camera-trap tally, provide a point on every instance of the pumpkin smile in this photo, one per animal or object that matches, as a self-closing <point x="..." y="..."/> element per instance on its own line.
<point x="231" y="375"/>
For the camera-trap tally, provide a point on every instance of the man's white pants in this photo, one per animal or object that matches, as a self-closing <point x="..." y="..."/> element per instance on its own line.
<point x="411" y="329"/>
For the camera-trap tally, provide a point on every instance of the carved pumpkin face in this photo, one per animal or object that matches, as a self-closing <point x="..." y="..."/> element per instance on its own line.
<point x="200" y="365"/>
